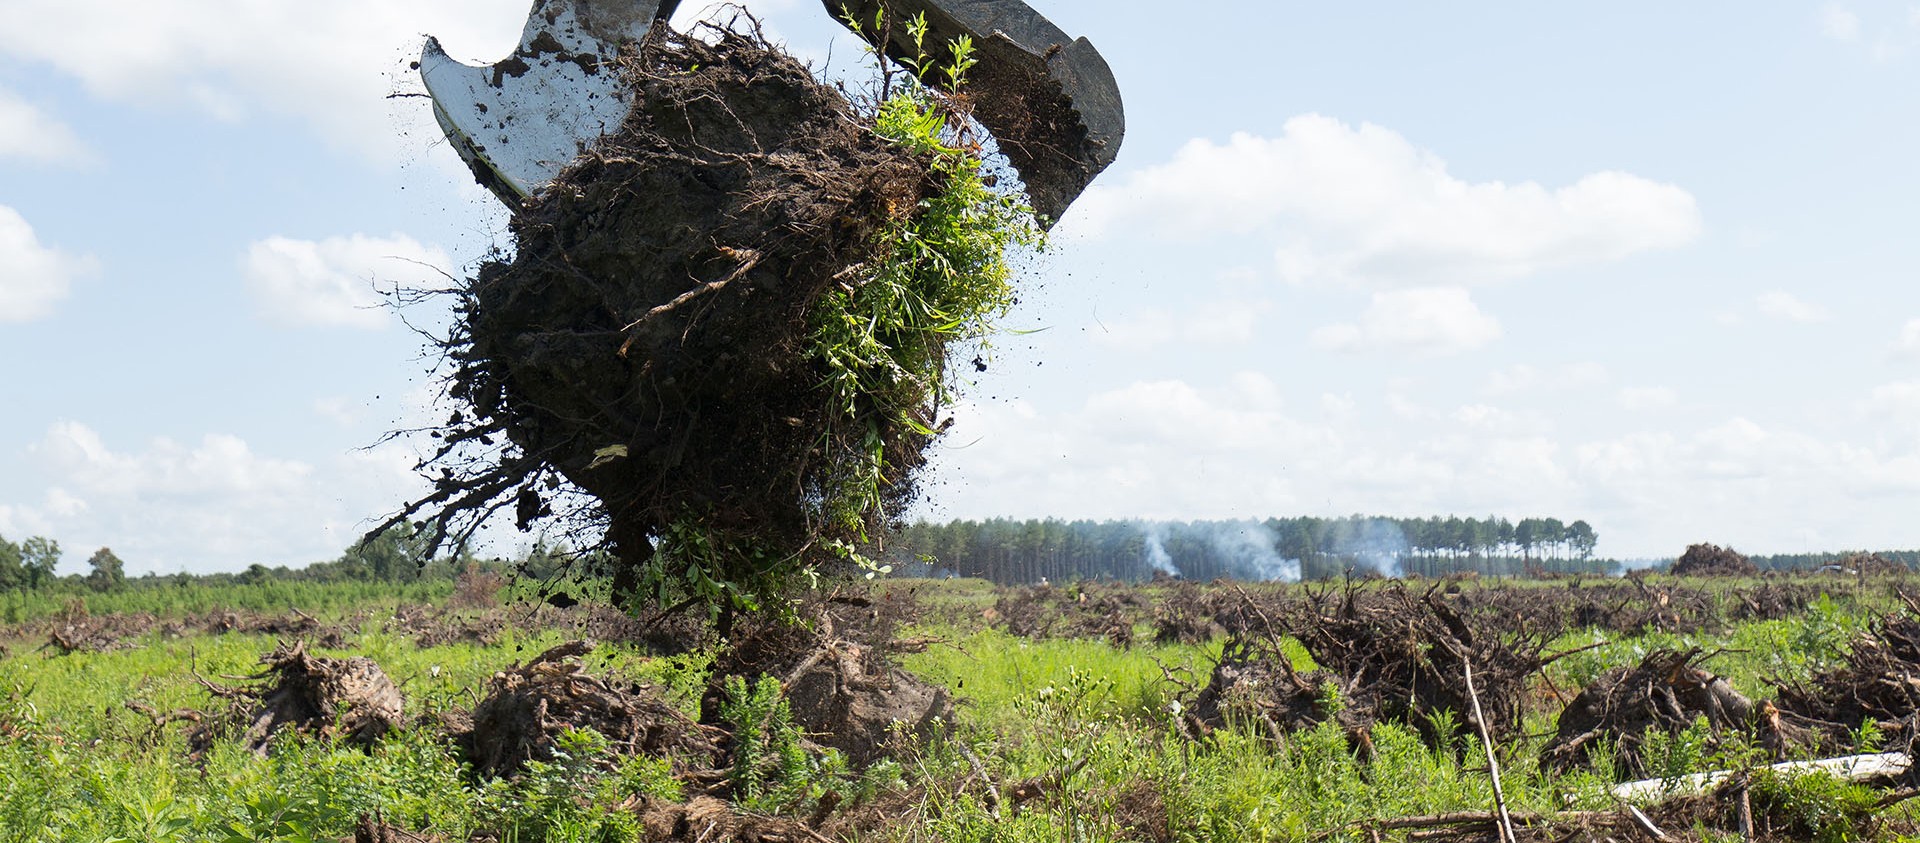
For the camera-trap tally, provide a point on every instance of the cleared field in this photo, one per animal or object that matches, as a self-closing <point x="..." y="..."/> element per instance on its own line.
<point x="1171" y="711"/>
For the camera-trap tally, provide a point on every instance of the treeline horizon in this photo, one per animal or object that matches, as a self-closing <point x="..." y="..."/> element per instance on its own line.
<point x="1010" y="551"/>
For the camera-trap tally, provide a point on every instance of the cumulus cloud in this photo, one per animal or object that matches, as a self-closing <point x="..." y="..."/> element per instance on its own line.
<point x="213" y="504"/>
<point x="1239" y="448"/>
<point x="1647" y="397"/>
<point x="333" y="282"/>
<point x="1362" y="204"/>
<point x="1523" y="377"/>
<point x="29" y="134"/>
<point x="1783" y="305"/>
<point x="1839" y="22"/>
<point x="1214" y="322"/>
<point x="1908" y="343"/>
<point x="33" y="277"/>
<point x="330" y="64"/>
<point x="1421" y="321"/>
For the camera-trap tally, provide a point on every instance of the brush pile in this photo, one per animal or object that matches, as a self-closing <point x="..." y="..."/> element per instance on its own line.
<point x="1878" y="683"/>
<point x="1711" y="560"/>
<point x="1666" y="693"/>
<point x="1387" y="655"/>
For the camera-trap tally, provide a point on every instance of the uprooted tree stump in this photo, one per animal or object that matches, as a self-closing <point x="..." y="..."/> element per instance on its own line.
<point x="528" y="707"/>
<point x="843" y="690"/>
<point x="1878" y="682"/>
<point x="1666" y="693"/>
<point x="1255" y="683"/>
<point x="1411" y="655"/>
<point x="721" y="323"/>
<point x="349" y="699"/>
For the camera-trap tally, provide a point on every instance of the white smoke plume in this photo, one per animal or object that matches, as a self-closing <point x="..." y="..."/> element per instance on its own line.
<point x="1376" y="543"/>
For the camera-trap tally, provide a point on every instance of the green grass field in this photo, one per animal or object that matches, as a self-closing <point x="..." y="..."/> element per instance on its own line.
<point x="1080" y="738"/>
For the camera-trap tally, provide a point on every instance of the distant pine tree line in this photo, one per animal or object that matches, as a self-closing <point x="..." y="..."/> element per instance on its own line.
<point x="1009" y="551"/>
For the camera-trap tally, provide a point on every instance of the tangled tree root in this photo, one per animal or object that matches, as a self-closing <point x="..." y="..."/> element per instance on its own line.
<point x="654" y="339"/>
<point x="1878" y="683"/>
<point x="349" y="699"/>
<point x="842" y="689"/>
<point x="1665" y="693"/>
<point x="528" y="707"/>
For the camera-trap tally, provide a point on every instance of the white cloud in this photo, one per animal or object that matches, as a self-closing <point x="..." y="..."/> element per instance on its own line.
<point x="334" y="281"/>
<point x="1783" y="305"/>
<point x="1639" y="398"/>
<point x="30" y="134"/>
<point x="1423" y="321"/>
<point x="1177" y="449"/>
<point x="330" y="64"/>
<point x="1908" y="344"/>
<point x="1363" y="205"/>
<point x="214" y="504"/>
<point x="1522" y="377"/>
<point x="33" y="277"/>
<point x="1213" y="322"/>
<point x="1839" y="23"/>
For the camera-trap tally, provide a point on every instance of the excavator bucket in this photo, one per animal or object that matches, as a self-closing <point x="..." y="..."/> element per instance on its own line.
<point x="1048" y="99"/>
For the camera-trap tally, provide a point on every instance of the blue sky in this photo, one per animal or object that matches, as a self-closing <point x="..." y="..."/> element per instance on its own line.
<point x="1650" y="265"/>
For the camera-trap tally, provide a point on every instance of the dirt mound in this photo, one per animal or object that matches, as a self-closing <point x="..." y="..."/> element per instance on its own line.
<point x="1710" y="560"/>
<point x="348" y="699"/>
<point x="527" y="707"/>
<point x="1386" y="655"/>
<point x="1665" y="693"/>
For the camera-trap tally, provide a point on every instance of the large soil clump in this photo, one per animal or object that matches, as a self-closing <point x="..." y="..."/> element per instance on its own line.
<point x="656" y="339"/>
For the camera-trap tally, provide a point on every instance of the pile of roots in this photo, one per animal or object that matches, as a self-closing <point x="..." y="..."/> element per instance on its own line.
<point x="1877" y="683"/>
<point x="1667" y="692"/>
<point x="652" y="341"/>
<point x="838" y="678"/>
<point x="1386" y="655"/>
<point x="350" y="700"/>
<point x="528" y="707"/>
<point x="1711" y="560"/>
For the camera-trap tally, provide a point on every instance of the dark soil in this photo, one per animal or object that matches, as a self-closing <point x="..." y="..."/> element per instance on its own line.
<point x="650" y="340"/>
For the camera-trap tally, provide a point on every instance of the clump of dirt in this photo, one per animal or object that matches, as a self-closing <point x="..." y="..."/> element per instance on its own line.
<point x="528" y="706"/>
<point x="1711" y="560"/>
<point x="1665" y="693"/>
<point x="349" y="699"/>
<point x="652" y="340"/>
<point x="843" y="689"/>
